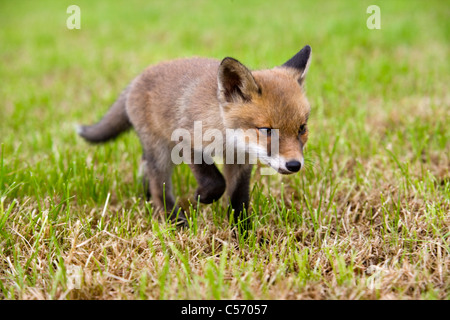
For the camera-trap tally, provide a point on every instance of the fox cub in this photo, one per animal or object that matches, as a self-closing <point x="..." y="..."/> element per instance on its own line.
<point x="222" y="95"/>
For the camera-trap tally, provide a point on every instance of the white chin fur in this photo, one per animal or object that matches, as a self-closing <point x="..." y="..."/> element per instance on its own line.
<point x="277" y="162"/>
<point x="78" y="128"/>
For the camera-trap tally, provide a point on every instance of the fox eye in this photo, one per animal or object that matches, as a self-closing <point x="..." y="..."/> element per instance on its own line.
<point x="265" y="131"/>
<point x="302" y="129"/>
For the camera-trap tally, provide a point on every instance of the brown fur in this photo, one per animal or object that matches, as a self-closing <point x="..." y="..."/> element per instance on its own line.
<point x="222" y="95"/>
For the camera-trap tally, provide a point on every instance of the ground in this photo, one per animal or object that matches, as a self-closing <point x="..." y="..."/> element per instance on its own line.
<point x="368" y="218"/>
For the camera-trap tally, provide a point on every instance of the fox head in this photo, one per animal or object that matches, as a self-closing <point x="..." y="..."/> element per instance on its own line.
<point x="270" y="106"/>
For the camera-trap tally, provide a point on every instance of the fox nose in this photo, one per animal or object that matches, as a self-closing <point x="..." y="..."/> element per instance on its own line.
<point x="293" y="165"/>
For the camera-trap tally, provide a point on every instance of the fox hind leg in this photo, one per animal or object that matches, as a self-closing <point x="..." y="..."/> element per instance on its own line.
<point x="143" y="173"/>
<point x="157" y="177"/>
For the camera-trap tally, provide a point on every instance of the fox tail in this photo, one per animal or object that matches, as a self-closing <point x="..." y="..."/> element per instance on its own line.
<point x="113" y="123"/>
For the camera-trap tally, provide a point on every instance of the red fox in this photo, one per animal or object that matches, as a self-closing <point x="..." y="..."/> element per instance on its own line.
<point x="222" y="95"/>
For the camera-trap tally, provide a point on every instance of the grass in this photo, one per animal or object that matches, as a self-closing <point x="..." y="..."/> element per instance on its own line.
<point x="367" y="219"/>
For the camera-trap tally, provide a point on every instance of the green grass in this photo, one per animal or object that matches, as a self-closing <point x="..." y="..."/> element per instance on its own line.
<point x="368" y="218"/>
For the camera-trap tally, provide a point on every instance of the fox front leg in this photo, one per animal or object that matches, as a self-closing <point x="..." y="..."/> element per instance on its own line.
<point x="237" y="177"/>
<point x="211" y="184"/>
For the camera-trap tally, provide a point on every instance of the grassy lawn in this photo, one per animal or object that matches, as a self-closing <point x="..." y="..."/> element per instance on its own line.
<point x="368" y="218"/>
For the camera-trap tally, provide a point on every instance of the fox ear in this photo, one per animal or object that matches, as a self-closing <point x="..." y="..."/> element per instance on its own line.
<point x="235" y="81"/>
<point x="300" y="62"/>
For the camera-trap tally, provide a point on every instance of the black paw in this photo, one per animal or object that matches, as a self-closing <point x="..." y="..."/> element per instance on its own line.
<point x="210" y="193"/>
